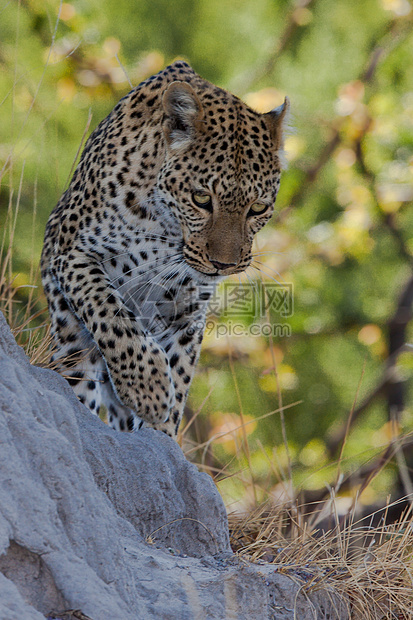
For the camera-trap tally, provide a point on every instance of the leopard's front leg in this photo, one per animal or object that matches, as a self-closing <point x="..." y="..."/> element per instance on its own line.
<point x="138" y="366"/>
<point x="183" y="353"/>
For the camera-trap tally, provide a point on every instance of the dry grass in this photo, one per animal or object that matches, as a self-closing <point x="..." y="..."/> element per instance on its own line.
<point x="365" y="560"/>
<point x="19" y="303"/>
<point x="370" y="567"/>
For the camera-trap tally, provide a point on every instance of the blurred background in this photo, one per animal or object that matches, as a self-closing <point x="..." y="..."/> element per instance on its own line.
<point x="327" y="401"/>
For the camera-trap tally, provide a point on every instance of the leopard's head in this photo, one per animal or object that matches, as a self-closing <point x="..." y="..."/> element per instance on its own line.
<point x="221" y="173"/>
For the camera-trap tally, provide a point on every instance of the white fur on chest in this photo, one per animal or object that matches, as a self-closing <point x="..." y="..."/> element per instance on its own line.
<point x="145" y="264"/>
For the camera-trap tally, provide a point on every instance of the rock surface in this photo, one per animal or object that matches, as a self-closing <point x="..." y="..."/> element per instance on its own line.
<point x="78" y="502"/>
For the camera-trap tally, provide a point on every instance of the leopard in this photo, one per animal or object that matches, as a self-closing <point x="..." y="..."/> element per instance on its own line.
<point x="168" y="195"/>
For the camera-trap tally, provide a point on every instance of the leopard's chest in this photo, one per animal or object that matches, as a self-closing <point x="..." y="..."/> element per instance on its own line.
<point x="145" y="265"/>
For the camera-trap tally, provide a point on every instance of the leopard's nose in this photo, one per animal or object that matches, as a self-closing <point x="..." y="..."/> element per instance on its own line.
<point x="221" y="266"/>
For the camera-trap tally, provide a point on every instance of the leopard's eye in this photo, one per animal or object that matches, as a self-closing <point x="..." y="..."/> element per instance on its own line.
<point x="202" y="200"/>
<point x="257" y="208"/>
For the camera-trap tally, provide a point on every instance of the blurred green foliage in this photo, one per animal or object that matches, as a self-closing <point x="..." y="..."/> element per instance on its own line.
<point x="343" y="233"/>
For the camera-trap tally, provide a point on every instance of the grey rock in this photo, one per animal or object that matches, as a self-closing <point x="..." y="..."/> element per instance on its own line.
<point x="78" y="502"/>
<point x="159" y="492"/>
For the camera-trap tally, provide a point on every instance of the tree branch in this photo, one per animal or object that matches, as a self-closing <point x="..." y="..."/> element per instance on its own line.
<point x="394" y="34"/>
<point x="251" y="77"/>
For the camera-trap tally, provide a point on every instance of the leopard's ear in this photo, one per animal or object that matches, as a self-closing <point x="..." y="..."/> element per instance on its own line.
<point x="276" y="121"/>
<point x="183" y="114"/>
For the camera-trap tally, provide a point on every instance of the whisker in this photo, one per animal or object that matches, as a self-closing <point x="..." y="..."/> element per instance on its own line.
<point x="262" y="273"/>
<point x="117" y="255"/>
<point x="266" y="252"/>
<point x="152" y="281"/>
<point x="182" y="278"/>
<point x="166" y="279"/>
<point x="267" y="267"/>
<point x="253" y="282"/>
<point x="267" y="275"/>
<point x="159" y="277"/>
<point x="142" y="266"/>
<point x="149" y="283"/>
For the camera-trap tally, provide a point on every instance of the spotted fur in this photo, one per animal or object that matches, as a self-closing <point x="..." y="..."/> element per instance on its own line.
<point x="170" y="190"/>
